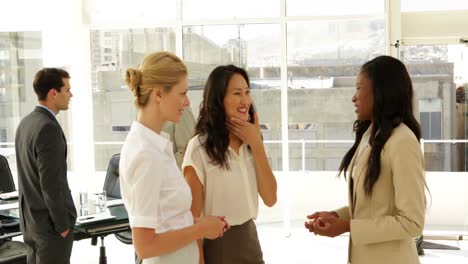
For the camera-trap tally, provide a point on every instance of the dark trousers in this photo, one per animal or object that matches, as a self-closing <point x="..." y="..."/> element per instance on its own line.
<point x="48" y="247"/>
<point x="239" y="245"/>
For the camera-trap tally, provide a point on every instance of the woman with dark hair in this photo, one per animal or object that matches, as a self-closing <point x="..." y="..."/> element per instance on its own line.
<point x="386" y="171"/>
<point x="226" y="167"/>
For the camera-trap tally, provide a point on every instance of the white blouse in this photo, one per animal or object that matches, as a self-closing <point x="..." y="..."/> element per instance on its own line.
<point x="153" y="189"/>
<point x="232" y="193"/>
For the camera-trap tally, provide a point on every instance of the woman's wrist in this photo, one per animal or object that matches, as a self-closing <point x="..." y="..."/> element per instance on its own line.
<point x="257" y="147"/>
<point x="198" y="230"/>
<point x="348" y="226"/>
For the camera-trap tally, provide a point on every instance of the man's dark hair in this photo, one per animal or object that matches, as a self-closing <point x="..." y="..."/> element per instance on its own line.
<point x="47" y="79"/>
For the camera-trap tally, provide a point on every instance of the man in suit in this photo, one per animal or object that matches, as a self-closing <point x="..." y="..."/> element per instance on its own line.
<point x="47" y="212"/>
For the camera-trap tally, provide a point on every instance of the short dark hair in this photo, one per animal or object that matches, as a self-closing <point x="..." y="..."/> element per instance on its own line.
<point x="47" y="79"/>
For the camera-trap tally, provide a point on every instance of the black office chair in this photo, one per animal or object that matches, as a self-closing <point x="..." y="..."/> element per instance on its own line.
<point x="7" y="185"/>
<point x="11" y="252"/>
<point x="112" y="187"/>
<point x="6" y="179"/>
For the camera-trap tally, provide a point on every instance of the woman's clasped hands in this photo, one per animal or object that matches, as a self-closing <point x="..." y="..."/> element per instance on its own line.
<point x="212" y="227"/>
<point x="327" y="224"/>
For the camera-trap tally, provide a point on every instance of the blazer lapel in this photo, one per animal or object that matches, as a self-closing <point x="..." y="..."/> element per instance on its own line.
<point x="360" y="172"/>
<point x="64" y="143"/>
<point x="361" y="159"/>
<point x="351" y="186"/>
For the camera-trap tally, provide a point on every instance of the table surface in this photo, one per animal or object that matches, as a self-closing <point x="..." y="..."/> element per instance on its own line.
<point x="107" y="226"/>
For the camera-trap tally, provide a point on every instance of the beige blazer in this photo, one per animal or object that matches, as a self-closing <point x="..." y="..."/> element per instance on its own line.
<point x="383" y="227"/>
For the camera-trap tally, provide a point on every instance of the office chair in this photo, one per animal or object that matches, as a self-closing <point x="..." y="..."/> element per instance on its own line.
<point x="7" y="185"/>
<point x="10" y="251"/>
<point x="112" y="187"/>
<point x="6" y="179"/>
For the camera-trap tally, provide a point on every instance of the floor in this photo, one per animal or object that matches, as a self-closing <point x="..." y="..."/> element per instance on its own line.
<point x="295" y="247"/>
<point x="299" y="247"/>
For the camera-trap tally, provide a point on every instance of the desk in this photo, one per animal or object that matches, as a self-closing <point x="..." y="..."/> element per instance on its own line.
<point x="91" y="230"/>
<point x="88" y="230"/>
<point x="13" y="231"/>
<point x="104" y="227"/>
<point x="95" y="230"/>
<point x="9" y="213"/>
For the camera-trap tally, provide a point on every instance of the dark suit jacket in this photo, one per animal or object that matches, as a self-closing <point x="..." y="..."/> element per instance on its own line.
<point x="45" y="199"/>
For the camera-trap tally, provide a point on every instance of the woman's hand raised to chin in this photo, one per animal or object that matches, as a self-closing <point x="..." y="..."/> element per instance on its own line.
<point x="247" y="132"/>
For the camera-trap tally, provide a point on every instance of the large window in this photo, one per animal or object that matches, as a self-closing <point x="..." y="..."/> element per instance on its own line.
<point x="439" y="79"/>
<point x="112" y="52"/>
<point x="324" y="45"/>
<point x="255" y="47"/>
<point x="324" y="58"/>
<point x="20" y="59"/>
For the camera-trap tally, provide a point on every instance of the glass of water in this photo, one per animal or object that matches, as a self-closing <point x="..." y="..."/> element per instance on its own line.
<point x="101" y="200"/>
<point x="83" y="211"/>
<point x="83" y="198"/>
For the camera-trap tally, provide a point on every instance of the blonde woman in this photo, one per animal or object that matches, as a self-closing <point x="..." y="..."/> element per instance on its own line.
<point x="154" y="191"/>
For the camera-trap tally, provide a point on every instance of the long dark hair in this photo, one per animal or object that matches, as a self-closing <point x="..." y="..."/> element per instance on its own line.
<point x="212" y="118"/>
<point x="393" y="104"/>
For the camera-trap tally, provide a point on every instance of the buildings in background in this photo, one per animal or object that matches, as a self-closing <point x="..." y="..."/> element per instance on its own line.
<point x="319" y="96"/>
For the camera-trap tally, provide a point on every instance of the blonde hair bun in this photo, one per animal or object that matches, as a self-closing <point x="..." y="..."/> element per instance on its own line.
<point x="133" y="80"/>
<point x="158" y="69"/>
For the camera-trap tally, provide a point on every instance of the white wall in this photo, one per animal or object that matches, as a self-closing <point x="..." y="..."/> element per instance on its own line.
<point x="449" y="202"/>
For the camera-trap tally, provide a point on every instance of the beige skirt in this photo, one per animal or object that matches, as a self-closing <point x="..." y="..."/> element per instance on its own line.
<point x="239" y="245"/>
